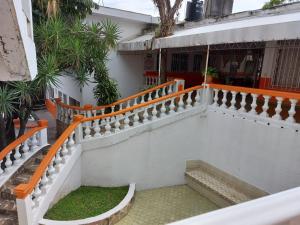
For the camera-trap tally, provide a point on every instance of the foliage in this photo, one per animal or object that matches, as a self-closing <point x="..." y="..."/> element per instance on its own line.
<point x="87" y="202"/>
<point x="211" y="71"/>
<point x="272" y="3"/>
<point x="167" y="14"/>
<point x="64" y="44"/>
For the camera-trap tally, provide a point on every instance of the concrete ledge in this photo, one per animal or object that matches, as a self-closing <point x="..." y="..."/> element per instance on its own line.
<point x="110" y="217"/>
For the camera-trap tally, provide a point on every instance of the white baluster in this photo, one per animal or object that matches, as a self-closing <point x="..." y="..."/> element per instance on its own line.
<point x="107" y="127"/>
<point x="170" y="89"/>
<point x="51" y="171"/>
<point x="292" y="111"/>
<point x="216" y="98"/>
<point x="37" y="193"/>
<point x="34" y="142"/>
<point x="136" y="118"/>
<point x="117" y="124"/>
<point x="121" y="106"/>
<point x="278" y="109"/>
<point x="163" y="109"/>
<point x="44" y="182"/>
<point x="150" y="96"/>
<point x="1" y="170"/>
<point x="64" y="151"/>
<point x="172" y="106"/>
<point x="156" y="93"/>
<point x="265" y="106"/>
<point x="163" y="91"/>
<point x="189" y="100"/>
<point x="154" y="112"/>
<point x="87" y="131"/>
<point x="145" y="115"/>
<point x="253" y="104"/>
<point x="126" y="121"/>
<point x="17" y="155"/>
<point x="58" y="160"/>
<point x="102" y="111"/>
<point x="243" y="102"/>
<point x="142" y="98"/>
<point x="180" y="103"/>
<point x="25" y="148"/>
<point x="135" y="101"/>
<point x="197" y="97"/>
<point x="8" y="162"/>
<point x="97" y="128"/>
<point x="71" y="143"/>
<point x="224" y="99"/>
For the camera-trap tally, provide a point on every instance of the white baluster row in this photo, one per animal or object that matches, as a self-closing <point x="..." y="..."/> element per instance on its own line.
<point x="55" y="167"/>
<point x="115" y="124"/>
<point x="221" y="103"/>
<point x="14" y="158"/>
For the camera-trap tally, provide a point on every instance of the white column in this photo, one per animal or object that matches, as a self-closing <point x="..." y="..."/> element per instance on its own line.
<point x="24" y="210"/>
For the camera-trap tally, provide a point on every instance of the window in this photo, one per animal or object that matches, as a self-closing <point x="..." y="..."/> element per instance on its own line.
<point x="197" y="63"/>
<point x="179" y="63"/>
<point x="73" y="101"/>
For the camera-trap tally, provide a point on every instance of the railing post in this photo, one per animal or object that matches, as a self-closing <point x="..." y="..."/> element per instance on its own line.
<point x="24" y="209"/>
<point x="179" y="86"/>
<point x="78" y="130"/>
<point x="43" y="138"/>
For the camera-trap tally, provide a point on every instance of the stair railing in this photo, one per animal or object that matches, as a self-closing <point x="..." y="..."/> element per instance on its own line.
<point x="268" y="107"/>
<point x="20" y="150"/>
<point x="66" y="112"/>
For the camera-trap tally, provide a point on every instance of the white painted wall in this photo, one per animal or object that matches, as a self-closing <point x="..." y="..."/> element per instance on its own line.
<point x="263" y="156"/>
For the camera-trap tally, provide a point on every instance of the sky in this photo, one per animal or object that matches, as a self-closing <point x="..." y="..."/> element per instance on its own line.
<point x="147" y="7"/>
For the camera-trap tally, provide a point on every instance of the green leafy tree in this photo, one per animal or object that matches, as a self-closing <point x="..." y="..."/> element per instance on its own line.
<point x="272" y="3"/>
<point x="64" y="44"/>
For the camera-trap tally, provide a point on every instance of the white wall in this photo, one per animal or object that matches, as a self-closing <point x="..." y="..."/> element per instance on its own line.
<point x="152" y="155"/>
<point x="263" y="156"/>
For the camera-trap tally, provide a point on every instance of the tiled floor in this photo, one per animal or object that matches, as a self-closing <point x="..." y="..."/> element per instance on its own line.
<point x="165" y="205"/>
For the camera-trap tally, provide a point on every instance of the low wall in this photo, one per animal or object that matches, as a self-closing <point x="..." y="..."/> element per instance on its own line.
<point x="151" y="156"/>
<point x="155" y="155"/>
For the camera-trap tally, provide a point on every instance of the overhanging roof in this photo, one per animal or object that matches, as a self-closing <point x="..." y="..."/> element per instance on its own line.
<point x="266" y="28"/>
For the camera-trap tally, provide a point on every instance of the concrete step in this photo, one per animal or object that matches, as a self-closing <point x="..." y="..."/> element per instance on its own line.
<point x="222" y="193"/>
<point x="8" y="207"/>
<point x="8" y="219"/>
<point x="7" y="191"/>
<point x="21" y="178"/>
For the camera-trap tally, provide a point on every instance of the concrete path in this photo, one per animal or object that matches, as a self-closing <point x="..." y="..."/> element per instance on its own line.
<point x="165" y="205"/>
<point x="44" y="114"/>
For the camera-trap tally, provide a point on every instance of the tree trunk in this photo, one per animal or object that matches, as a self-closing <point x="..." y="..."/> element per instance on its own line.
<point x="3" y="139"/>
<point x="23" y="122"/>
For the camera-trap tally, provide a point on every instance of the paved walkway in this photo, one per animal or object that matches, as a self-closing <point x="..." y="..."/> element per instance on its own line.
<point x="165" y="205"/>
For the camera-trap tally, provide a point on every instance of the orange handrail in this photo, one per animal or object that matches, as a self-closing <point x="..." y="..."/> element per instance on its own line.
<point x="58" y="100"/>
<point x="288" y="95"/>
<point x="42" y="124"/>
<point x="177" y="94"/>
<point x="23" y="190"/>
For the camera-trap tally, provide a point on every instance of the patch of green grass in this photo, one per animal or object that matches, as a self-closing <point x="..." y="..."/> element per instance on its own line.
<point x="86" y="202"/>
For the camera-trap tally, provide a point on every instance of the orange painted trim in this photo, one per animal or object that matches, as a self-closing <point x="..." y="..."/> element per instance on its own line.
<point x="174" y="95"/>
<point x="23" y="190"/>
<point x="285" y="95"/>
<point x="20" y="140"/>
<point x="51" y="107"/>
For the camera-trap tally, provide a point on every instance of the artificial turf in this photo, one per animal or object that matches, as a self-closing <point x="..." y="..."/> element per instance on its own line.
<point x="86" y="202"/>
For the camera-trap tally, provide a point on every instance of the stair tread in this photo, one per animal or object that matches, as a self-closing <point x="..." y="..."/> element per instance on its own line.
<point x="6" y="219"/>
<point x="218" y="185"/>
<point x="8" y="205"/>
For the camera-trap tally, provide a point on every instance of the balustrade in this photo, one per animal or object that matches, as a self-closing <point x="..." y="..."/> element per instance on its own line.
<point x="270" y="107"/>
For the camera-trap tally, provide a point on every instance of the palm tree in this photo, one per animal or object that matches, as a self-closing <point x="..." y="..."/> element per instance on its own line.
<point x="167" y="14"/>
<point x="7" y="107"/>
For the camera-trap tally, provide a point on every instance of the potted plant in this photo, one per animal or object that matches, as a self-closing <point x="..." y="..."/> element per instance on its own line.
<point x="211" y="74"/>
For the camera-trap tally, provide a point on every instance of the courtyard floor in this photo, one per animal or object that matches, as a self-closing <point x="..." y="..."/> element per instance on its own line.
<point x="165" y="205"/>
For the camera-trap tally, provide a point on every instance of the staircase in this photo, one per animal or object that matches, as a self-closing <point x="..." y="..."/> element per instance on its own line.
<point x="8" y="209"/>
<point x="220" y="187"/>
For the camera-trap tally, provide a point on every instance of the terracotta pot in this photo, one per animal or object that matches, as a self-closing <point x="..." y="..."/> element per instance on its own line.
<point x="209" y="79"/>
